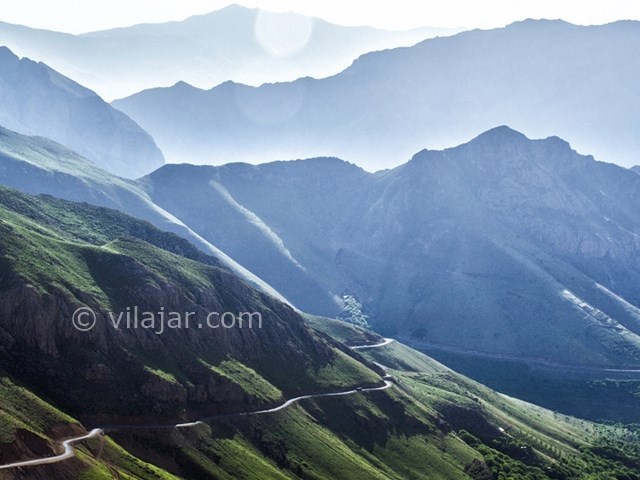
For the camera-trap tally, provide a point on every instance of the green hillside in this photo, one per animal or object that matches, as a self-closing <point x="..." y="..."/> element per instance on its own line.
<point x="434" y="424"/>
<point x="57" y="256"/>
<point x="516" y="439"/>
<point x="30" y="428"/>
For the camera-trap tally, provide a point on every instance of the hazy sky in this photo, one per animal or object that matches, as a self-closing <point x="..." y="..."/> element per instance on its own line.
<point x="77" y="16"/>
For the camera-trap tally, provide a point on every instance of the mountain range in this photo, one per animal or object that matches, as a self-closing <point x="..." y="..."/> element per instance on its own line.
<point x="504" y="247"/>
<point x="540" y="77"/>
<point x="37" y="100"/>
<point x="514" y="261"/>
<point x="236" y="43"/>
<point x="57" y="255"/>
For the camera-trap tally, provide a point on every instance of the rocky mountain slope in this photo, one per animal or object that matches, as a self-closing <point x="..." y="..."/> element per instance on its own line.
<point x="37" y="100"/>
<point x="280" y="219"/>
<point x="502" y="245"/>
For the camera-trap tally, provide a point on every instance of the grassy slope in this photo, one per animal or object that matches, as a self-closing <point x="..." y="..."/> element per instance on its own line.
<point x="31" y="428"/>
<point x="342" y="331"/>
<point x="581" y="394"/>
<point x="408" y="432"/>
<point x="434" y="424"/>
<point x="365" y="436"/>
<point x="49" y="155"/>
<point x="538" y="443"/>
<point x="81" y="222"/>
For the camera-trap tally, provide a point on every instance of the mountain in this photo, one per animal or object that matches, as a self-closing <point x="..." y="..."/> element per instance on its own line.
<point x="303" y="198"/>
<point x="40" y="166"/>
<point x="540" y="77"/>
<point x="57" y="255"/>
<point x="505" y="248"/>
<point x="36" y="100"/>
<point x="236" y="43"/>
<point x="500" y="255"/>
<point x="524" y="229"/>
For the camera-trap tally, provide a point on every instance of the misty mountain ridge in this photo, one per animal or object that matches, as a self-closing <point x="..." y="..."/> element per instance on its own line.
<point x="235" y="43"/>
<point x="38" y="165"/>
<point x="541" y="77"/>
<point x="36" y="100"/>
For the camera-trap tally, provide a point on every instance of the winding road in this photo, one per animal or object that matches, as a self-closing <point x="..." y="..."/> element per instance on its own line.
<point x="69" y="451"/>
<point x="386" y="341"/>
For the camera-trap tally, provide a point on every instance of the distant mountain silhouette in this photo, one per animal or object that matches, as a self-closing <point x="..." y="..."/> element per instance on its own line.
<point x="541" y="77"/>
<point x="236" y="43"/>
<point x="36" y="100"/>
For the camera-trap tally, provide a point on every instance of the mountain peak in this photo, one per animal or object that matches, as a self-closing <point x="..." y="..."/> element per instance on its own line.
<point x="503" y="133"/>
<point x="502" y="142"/>
<point x="318" y="165"/>
<point x="233" y="8"/>
<point x="113" y="141"/>
<point x="233" y="11"/>
<point x="557" y="142"/>
<point x="498" y="136"/>
<point x="537" y="22"/>
<point x="184" y="85"/>
<point x="7" y="55"/>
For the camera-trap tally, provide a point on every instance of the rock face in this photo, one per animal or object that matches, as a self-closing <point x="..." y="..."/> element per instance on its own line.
<point x="36" y="100"/>
<point x="541" y="77"/>
<point x="502" y="245"/>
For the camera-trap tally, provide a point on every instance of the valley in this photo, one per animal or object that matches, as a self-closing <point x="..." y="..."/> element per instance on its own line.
<point x="294" y="240"/>
<point x="309" y="256"/>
